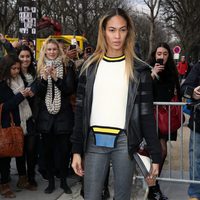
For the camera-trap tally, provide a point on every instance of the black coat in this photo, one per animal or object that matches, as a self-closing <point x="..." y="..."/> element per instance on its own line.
<point x="10" y="105"/>
<point x="62" y="122"/>
<point x="193" y="80"/>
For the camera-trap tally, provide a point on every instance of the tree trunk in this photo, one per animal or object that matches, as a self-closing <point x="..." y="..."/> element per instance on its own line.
<point x="151" y="37"/>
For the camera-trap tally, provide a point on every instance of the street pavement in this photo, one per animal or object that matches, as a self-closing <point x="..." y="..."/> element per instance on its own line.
<point x="175" y="191"/>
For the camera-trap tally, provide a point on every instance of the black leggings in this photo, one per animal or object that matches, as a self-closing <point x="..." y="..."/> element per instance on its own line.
<point x="29" y="156"/>
<point x="5" y="169"/>
<point x="62" y="144"/>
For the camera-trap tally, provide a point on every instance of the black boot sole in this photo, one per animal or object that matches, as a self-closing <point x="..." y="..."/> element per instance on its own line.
<point x="66" y="189"/>
<point x="49" y="190"/>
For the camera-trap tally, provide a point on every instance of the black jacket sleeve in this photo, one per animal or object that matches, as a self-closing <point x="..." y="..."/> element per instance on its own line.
<point x="148" y="125"/>
<point x="193" y="79"/>
<point x="67" y="84"/>
<point x="77" y="138"/>
<point x="9" y="48"/>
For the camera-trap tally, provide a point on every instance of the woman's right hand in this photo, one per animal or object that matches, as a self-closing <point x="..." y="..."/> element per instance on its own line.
<point x="158" y="68"/>
<point x="151" y="179"/>
<point x="25" y="92"/>
<point x="77" y="164"/>
<point x="44" y="73"/>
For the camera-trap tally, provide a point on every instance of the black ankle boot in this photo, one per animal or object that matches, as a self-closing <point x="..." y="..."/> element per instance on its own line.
<point x="82" y="191"/>
<point x="155" y="193"/>
<point x="51" y="186"/>
<point x="105" y="193"/>
<point x="64" y="186"/>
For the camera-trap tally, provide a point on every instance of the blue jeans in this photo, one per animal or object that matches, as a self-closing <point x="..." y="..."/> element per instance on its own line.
<point x="97" y="162"/>
<point x="194" y="189"/>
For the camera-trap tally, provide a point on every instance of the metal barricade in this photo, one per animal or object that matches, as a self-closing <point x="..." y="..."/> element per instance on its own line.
<point x="181" y="175"/>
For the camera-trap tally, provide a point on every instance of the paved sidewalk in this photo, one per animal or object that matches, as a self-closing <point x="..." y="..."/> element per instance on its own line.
<point x="42" y="184"/>
<point x="175" y="191"/>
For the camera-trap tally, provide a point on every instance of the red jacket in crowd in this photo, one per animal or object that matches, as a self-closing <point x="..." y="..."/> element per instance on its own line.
<point x="182" y="68"/>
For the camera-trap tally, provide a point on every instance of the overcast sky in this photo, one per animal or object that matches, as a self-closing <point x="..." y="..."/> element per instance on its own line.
<point x="140" y="5"/>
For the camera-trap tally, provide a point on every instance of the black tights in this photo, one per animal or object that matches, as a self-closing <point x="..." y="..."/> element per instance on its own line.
<point x="163" y="143"/>
<point x="62" y="144"/>
<point x="29" y="156"/>
<point x="5" y="169"/>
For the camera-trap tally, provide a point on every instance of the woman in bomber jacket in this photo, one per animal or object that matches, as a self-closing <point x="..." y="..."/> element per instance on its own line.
<point x="114" y="111"/>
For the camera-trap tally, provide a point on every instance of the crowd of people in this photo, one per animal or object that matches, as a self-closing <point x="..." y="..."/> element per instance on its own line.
<point x="88" y="109"/>
<point x="41" y="101"/>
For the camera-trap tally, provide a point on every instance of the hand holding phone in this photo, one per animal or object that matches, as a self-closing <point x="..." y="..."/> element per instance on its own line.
<point x="188" y="92"/>
<point x="158" y="67"/>
<point x="72" y="46"/>
<point x="2" y="38"/>
<point x="88" y="50"/>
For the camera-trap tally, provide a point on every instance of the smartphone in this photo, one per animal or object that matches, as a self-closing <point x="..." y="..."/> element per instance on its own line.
<point x="49" y="63"/>
<point x="88" y="50"/>
<point x="188" y="92"/>
<point x="160" y="61"/>
<point x="72" y="46"/>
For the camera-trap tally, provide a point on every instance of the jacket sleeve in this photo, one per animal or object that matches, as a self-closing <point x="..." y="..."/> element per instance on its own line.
<point x="9" y="48"/>
<point x="12" y="103"/>
<point x="148" y="125"/>
<point x="77" y="138"/>
<point x="67" y="84"/>
<point x="40" y="87"/>
<point x="193" y="78"/>
<point x="9" y="100"/>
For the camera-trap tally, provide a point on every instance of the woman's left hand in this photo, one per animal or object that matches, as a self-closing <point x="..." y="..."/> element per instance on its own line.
<point x="53" y="74"/>
<point x="151" y="179"/>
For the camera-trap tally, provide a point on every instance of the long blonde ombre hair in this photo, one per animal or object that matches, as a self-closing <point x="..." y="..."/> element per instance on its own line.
<point x="101" y="47"/>
<point x="41" y="63"/>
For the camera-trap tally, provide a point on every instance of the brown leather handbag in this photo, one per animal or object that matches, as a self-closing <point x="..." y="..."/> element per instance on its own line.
<point x="11" y="139"/>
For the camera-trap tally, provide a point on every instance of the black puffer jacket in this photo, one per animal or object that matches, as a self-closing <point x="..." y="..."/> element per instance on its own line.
<point x="140" y="121"/>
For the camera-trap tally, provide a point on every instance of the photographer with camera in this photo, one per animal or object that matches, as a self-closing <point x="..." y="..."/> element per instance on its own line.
<point x="191" y="90"/>
<point x="165" y="87"/>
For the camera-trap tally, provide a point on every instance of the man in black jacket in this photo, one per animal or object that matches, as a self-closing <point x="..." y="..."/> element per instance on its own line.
<point x="191" y="89"/>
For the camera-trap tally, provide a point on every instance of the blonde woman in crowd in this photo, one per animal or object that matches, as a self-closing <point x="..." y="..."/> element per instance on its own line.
<point x="55" y="120"/>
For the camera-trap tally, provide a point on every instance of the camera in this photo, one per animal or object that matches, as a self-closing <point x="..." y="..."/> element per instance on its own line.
<point x="160" y="61"/>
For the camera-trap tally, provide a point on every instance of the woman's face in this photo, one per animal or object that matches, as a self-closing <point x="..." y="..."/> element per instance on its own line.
<point x="115" y="35"/>
<point x="25" y="58"/>
<point x="162" y="53"/>
<point x="52" y="51"/>
<point x="14" y="70"/>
